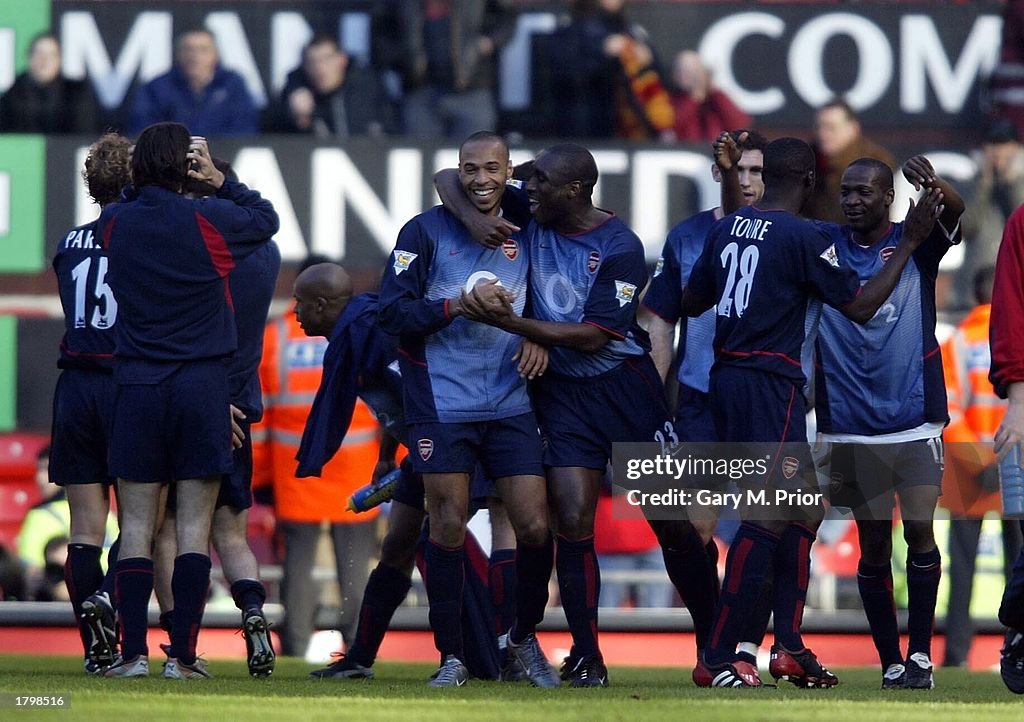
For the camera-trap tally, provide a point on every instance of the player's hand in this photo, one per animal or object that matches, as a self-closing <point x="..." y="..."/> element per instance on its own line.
<point x="727" y="152"/>
<point x="1011" y="432"/>
<point x="921" y="216"/>
<point x="490" y="299"/>
<point x="533" y="359"/>
<point x="919" y="172"/>
<point x="490" y="231"/>
<point x="237" y="435"/>
<point x="200" y="163"/>
<point x="382" y="469"/>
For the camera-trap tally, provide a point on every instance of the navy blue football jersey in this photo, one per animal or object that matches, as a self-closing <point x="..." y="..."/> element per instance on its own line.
<point x="765" y="270"/>
<point x="252" y="282"/>
<point x="886" y="375"/>
<point x="90" y="309"/>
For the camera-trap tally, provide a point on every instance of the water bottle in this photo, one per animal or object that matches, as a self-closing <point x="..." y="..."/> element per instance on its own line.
<point x="1011" y="480"/>
<point x="373" y="495"/>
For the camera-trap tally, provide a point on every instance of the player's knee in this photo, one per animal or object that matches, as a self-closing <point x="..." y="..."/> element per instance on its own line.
<point x="398" y="552"/>
<point x="449" y="531"/>
<point x="575" y="523"/>
<point x="533" y="532"/>
<point x="876" y="551"/>
<point x="919" y="536"/>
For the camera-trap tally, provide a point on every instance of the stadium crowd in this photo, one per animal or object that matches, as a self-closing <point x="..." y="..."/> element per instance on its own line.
<point x="516" y="336"/>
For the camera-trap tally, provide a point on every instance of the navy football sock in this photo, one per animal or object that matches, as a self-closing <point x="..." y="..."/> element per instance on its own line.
<point x="385" y="591"/>
<point x="83" y="576"/>
<point x="758" y="625"/>
<point x="133" y="586"/>
<point x="792" y="575"/>
<point x="501" y="581"/>
<point x="875" y="585"/>
<point x="695" y="576"/>
<point x="533" y="569"/>
<point x="924" y="571"/>
<point x="750" y="554"/>
<point x="446" y="579"/>
<point x="108" y="579"/>
<point x="190" y="583"/>
<point x="248" y="594"/>
<point x="167" y="622"/>
<point x="579" y="581"/>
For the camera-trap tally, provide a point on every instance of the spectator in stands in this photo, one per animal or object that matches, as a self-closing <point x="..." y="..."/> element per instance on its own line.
<point x="838" y="141"/>
<point x="607" y="77"/>
<point x="999" y="189"/>
<point x="44" y="101"/>
<point x="702" y="111"/>
<point x="328" y="95"/>
<point x="290" y="373"/>
<point x="197" y="92"/>
<point x="450" y="49"/>
<point x="970" y="485"/>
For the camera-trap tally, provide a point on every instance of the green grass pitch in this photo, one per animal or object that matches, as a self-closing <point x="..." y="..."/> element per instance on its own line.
<point x="399" y="693"/>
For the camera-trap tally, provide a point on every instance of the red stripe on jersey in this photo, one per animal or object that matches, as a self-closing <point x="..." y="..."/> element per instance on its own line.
<point x="221" y="257"/>
<point x="107" y="232"/>
<point x="613" y="334"/>
<point x="744" y="354"/>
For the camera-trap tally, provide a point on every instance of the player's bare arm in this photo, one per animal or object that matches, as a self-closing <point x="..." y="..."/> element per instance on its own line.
<point x="662" y="335"/>
<point x="917" y="227"/>
<point x="488" y="231"/>
<point x="919" y="173"/>
<point x="727" y="158"/>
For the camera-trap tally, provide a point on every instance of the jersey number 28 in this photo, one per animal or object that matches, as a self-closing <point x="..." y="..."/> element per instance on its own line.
<point x="736" y="294"/>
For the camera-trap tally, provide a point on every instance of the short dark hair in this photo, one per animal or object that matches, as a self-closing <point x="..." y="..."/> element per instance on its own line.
<point x="321" y="39"/>
<point x="842" y="105"/>
<point x="160" y="157"/>
<point x="577" y="163"/>
<point x="787" y="161"/>
<point x="754" y="141"/>
<point x="108" y="168"/>
<point x="882" y="170"/>
<point x="194" y="30"/>
<point x="485" y="135"/>
<point x="984" y="277"/>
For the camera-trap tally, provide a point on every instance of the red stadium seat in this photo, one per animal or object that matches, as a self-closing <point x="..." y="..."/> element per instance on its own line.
<point x="18" y="454"/>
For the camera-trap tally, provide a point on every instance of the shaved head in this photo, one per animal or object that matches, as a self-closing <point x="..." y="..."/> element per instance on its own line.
<point x="572" y="162"/>
<point x="321" y="293"/>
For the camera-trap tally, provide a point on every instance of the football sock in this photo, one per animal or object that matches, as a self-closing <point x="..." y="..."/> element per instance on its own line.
<point x="248" y="594"/>
<point x="446" y="579"/>
<point x="133" y="585"/>
<point x="695" y="576"/>
<point x="750" y="554"/>
<point x="190" y="583"/>
<point x="532" y="572"/>
<point x="924" y="571"/>
<point x="83" y="576"/>
<point x="875" y="586"/>
<point x="501" y="581"/>
<point x="579" y="581"/>
<point x="108" y="578"/>
<point x="792" y="574"/>
<point x="385" y="591"/>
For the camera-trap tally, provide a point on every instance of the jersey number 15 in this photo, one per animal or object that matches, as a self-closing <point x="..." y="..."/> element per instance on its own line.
<point x="104" y="306"/>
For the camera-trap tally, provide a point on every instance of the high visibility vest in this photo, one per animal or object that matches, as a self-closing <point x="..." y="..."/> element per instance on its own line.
<point x="290" y="372"/>
<point x="975" y="413"/>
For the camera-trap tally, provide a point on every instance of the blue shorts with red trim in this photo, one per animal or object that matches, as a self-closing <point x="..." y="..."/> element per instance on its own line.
<point x="503" y="447"/>
<point x="582" y="417"/>
<point x="83" y="417"/>
<point x="410" y="490"/>
<point x="178" y="428"/>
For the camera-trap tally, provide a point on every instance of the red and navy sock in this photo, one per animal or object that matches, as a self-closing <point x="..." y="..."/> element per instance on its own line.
<point x="758" y="625"/>
<point x="501" y="581"/>
<point x="579" y="581"/>
<point x="83" y="576"/>
<point x="108" y="579"/>
<point x="924" y="570"/>
<point x="875" y="585"/>
<point x="385" y="591"/>
<point x="190" y="583"/>
<point x="750" y="555"/>
<point x="133" y="585"/>
<point x="445" y="582"/>
<point x="792" y="575"/>
<point x="695" y="576"/>
<point x="533" y="569"/>
<point x="248" y="594"/>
